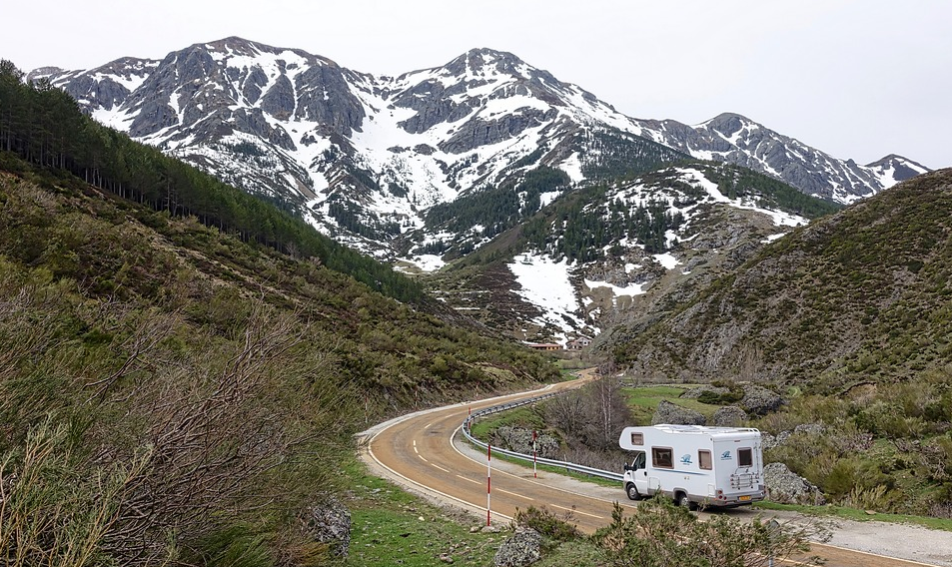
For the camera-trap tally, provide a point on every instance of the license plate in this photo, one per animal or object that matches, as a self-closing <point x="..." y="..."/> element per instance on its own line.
<point x="744" y="498"/>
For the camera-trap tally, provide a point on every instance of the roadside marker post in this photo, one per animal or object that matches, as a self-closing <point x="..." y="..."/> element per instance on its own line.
<point x="534" y="473"/>
<point x="489" y="483"/>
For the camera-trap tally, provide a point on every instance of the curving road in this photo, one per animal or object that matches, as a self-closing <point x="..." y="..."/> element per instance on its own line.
<point x="418" y="452"/>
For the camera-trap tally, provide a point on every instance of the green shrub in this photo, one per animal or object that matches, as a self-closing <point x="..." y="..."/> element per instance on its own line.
<point x="234" y="546"/>
<point x="546" y="523"/>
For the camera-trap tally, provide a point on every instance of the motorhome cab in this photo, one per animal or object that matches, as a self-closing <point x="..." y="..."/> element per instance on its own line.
<point x="695" y="465"/>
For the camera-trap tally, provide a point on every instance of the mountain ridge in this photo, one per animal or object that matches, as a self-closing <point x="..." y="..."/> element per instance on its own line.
<point x="362" y="155"/>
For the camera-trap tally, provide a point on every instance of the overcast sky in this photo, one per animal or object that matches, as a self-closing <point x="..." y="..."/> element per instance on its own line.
<point x="855" y="78"/>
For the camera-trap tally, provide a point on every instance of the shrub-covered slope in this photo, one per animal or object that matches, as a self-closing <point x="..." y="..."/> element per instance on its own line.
<point x="864" y="295"/>
<point x="169" y="391"/>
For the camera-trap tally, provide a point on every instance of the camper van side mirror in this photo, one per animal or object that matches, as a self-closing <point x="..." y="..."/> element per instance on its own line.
<point x="628" y="467"/>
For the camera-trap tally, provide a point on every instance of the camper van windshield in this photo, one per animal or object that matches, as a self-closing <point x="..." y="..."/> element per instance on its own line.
<point x="639" y="462"/>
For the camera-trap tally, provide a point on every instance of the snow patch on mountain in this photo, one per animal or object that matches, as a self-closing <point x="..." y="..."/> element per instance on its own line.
<point x="667" y="260"/>
<point x="546" y="284"/>
<point x="697" y="178"/>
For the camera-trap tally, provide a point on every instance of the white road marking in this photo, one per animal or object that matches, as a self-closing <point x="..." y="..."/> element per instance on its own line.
<point x="515" y="494"/>
<point x="577" y="511"/>
<point x="468" y="479"/>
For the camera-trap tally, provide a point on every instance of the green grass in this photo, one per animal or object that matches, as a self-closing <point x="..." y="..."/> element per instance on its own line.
<point x="643" y="401"/>
<point x="519" y="417"/>
<point x="859" y="515"/>
<point x="391" y="527"/>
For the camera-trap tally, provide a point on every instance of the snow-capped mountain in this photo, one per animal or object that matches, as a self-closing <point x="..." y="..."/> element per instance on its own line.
<point x="364" y="157"/>
<point x="736" y="139"/>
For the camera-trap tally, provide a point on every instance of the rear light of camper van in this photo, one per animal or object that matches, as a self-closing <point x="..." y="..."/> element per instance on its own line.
<point x="720" y="494"/>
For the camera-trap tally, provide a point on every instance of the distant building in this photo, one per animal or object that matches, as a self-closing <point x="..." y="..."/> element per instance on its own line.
<point x="578" y="343"/>
<point x="544" y="346"/>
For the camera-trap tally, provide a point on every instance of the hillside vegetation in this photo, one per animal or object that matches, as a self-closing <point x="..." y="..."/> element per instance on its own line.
<point x="861" y="296"/>
<point x="851" y="319"/>
<point x="171" y="393"/>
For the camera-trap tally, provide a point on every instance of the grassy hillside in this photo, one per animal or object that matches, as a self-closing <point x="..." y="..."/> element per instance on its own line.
<point x="169" y="391"/>
<point x="860" y="296"/>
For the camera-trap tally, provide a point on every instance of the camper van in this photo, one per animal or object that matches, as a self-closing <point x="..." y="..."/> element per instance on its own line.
<point x="695" y="465"/>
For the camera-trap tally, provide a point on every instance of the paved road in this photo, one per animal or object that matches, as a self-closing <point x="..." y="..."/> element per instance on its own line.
<point x="419" y="452"/>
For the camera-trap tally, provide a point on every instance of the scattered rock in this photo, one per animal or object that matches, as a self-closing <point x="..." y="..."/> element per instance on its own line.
<point x="674" y="414"/>
<point x="729" y="416"/>
<point x="330" y="524"/>
<point x="695" y="393"/>
<point x="523" y="548"/>
<point x="446" y="558"/>
<point x="758" y="400"/>
<point x="870" y="512"/>
<point x="489" y="530"/>
<point x="810" y="429"/>
<point x="786" y="487"/>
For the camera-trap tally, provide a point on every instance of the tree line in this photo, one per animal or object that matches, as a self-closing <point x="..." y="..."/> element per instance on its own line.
<point x="45" y="126"/>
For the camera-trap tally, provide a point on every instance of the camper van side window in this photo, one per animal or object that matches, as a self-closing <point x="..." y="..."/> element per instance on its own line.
<point x="745" y="458"/>
<point x="662" y="457"/>
<point x="704" y="459"/>
<point x="637" y="438"/>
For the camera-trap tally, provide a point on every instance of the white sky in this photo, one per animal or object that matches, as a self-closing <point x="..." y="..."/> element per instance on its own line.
<point x="855" y="78"/>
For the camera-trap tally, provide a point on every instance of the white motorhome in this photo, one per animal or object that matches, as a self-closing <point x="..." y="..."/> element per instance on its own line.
<point x="695" y="465"/>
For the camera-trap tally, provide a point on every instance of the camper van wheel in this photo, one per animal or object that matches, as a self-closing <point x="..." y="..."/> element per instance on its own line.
<point x="633" y="493"/>
<point x="681" y="499"/>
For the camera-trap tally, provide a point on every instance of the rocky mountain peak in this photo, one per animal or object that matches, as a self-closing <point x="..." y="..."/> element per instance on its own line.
<point x="729" y="123"/>
<point x="479" y="61"/>
<point x="44" y="73"/>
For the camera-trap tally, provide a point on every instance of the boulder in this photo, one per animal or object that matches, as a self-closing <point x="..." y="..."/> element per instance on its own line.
<point x="695" y="393"/>
<point x="786" y="487"/>
<point x="519" y="439"/>
<point x="523" y="548"/>
<point x="810" y="429"/>
<point x="758" y="400"/>
<point x="770" y="441"/>
<point x="330" y="524"/>
<point x="668" y="412"/>
<point x="729" y="416"/>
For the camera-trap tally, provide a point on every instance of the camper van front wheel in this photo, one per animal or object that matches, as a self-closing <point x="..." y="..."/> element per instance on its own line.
<point x="633" y="493"/>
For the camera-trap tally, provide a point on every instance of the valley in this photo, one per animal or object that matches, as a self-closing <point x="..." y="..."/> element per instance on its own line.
<point x="219" y="266"/>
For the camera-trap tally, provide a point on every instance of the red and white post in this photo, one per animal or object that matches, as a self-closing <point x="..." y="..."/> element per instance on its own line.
<point x="489" y="483"/>
<point x="534" y="472"/>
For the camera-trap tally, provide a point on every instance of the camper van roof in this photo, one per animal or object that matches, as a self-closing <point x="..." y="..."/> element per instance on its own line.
<point x="703" y="429"/>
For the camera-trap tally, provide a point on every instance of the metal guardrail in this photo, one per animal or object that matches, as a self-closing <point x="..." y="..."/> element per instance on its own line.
<point x="552" y="462"/>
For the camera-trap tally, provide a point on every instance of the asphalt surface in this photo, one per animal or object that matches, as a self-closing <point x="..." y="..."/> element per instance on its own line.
<point x="424" y="453"/>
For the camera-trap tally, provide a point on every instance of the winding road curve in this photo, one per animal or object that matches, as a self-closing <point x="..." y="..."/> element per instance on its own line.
<point x="418" y="452"/>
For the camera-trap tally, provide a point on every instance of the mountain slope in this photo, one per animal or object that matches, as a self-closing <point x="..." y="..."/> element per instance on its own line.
<point x="862" y="295"/>
<point x="363" y="156"/>
<point x="620" y="253"/>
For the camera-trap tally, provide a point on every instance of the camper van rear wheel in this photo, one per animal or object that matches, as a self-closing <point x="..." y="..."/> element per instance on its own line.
<point x="681" y="499"/>
<point x="633" y="493"/>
